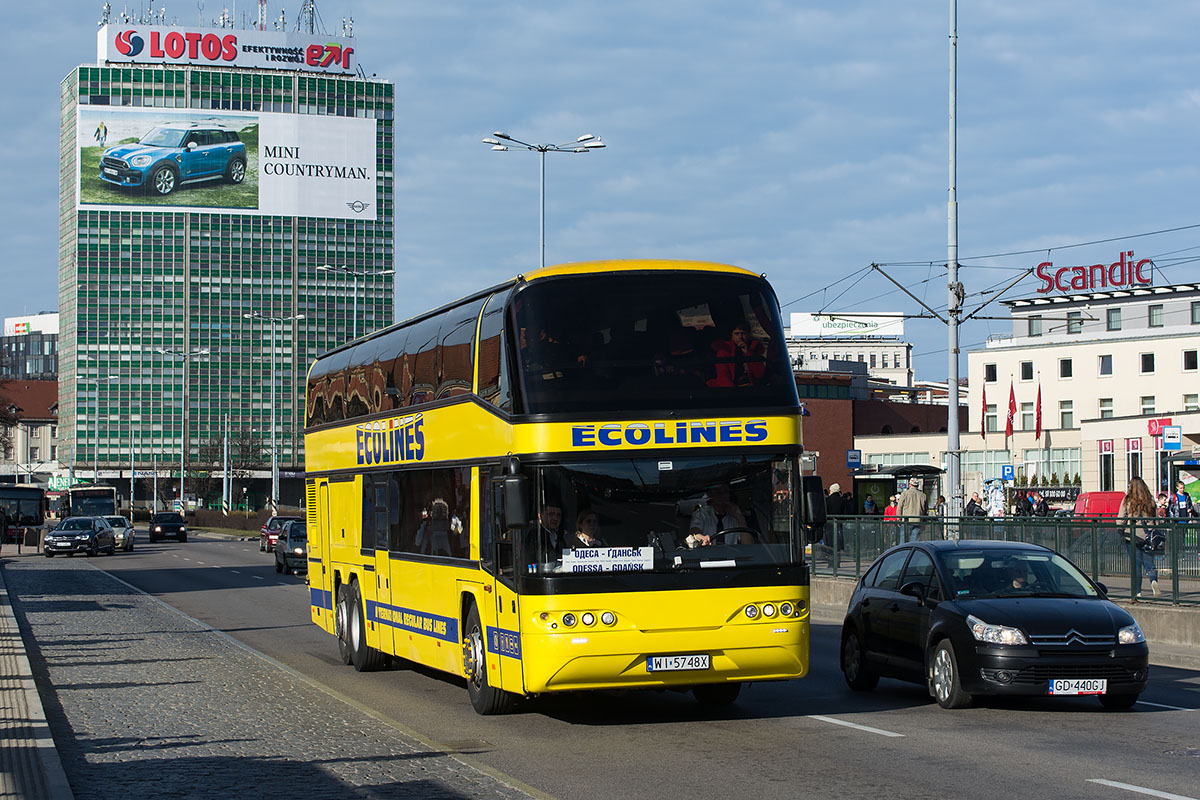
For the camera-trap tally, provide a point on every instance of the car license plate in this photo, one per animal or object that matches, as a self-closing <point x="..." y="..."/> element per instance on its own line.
<point x="678" y="663"/>
<point x="1078" y="686"/>
<point x="109" y="171"/>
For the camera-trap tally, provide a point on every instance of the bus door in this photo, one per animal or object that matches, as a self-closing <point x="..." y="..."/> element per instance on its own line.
<point x="503" y="621"/>
<point x="380" y="504"/>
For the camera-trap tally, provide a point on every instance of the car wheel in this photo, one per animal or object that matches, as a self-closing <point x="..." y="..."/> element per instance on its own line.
<point x="366" y="658"/>
<point x="183" y="537"/>
<point x="163" y="180"/>
<point x="485" y="699"/>
<point x="112" y="549"/>
<point x="236" y="171"/>
<point x="262" y="548"/>
<point x="49" y="554"/>
<point x="1118" y="701"/>
<point x="945" y="681"/>
<point x="858" y="675"/>
<point x="278" y="566"/>
<point x="717" y="694"/>
<point x="341" y="619"/>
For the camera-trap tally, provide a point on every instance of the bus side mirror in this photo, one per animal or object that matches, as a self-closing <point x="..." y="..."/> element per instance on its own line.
<point x="516" y="494"/>
<point x="812" y="507"/>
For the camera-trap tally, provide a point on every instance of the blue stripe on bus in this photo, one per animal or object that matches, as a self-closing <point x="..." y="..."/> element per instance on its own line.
<point x="504" y="643"/>
<point x="320" y="598"/>
<point x="408" y="619"/>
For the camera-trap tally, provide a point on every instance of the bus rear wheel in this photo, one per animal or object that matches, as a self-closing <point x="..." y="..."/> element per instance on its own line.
<point x="485" y="699"/>
<point x="366" y="658"/>
<point x="341" y="616"/>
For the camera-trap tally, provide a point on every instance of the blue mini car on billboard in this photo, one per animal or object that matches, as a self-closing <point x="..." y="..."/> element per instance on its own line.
<point x="171" y="155"/>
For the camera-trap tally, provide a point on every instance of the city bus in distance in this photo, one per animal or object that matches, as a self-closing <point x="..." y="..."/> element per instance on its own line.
<point x="586" y="477"/>
<point x="24" y="508"/>
<point x="92" y="500"/>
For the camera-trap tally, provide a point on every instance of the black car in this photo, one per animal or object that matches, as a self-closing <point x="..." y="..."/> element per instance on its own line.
<point x="90" y="535"/>
<point x="291" y="548"/>
<point x="168" y="523"/>
<point x="970" y="618"/>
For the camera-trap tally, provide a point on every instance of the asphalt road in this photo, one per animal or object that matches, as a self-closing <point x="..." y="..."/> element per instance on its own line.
<point x="811" y="736"/>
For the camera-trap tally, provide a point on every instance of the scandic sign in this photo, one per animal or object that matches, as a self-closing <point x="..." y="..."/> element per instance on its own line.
<point x="1124" y="272"/>
<point x="243" y="48"/>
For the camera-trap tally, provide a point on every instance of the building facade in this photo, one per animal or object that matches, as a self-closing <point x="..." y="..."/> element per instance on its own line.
<point x="29" y="348"/>
<point x="165" y="296"/>
<point x="1099" y="373"/>
<point x="29" y="439"/>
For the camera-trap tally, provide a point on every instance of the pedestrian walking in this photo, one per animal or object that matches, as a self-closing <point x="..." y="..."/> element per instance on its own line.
<point x="1136" y="514"/>
<point x="911" y="507"/>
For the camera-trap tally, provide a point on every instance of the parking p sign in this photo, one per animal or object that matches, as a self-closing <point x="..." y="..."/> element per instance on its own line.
<point x="1008" y="472"/>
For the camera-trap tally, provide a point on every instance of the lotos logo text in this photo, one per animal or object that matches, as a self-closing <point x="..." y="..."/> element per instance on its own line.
<point x="657" y="433"/>
<point x="392" y="441"/>
<point x="129" y="43"/>
<point x="322" y="55"/>
<point x="1124" y="272"/>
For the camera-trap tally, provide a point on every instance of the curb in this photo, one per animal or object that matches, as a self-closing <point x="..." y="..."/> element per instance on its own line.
<point x="36" y="751"/>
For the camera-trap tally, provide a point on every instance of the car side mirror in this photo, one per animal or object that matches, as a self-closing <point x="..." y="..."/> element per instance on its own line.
<point x="192" y="145"/>
<point x="914" y="589"/>
<point x="1103" y="588"/>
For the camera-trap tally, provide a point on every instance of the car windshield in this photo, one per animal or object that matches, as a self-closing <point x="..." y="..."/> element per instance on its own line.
<point x="657" y="514"/>
<point x="297" y="534"/>
<point x="79" y="524"/>
<point x="168" y="518"/>
<point x="164" y="137"/>
<point x="1012" y="573"/>
<point x="117" y="522"/>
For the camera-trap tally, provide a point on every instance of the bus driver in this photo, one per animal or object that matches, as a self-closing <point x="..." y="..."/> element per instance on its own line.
<point x="720" y="513"/>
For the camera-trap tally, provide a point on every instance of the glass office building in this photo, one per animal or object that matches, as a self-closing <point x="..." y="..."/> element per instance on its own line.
<point x="142" y="271"/>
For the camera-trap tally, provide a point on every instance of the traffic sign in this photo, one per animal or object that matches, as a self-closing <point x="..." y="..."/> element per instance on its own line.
<point x="1172" y="437"/>
<point x="853" y="459"/>
<point x="1008" y="472"/>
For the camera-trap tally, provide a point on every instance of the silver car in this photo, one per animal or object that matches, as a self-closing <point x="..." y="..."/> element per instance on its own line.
<point x="122" y="532"/>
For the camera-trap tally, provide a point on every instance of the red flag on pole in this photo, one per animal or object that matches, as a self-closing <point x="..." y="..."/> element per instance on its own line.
<point x="983" y="415"/>
<point x="1038" y="418"/>
<point x="1012" y="411"/>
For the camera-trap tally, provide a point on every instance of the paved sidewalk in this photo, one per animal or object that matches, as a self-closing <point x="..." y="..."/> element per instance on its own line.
<point x="29" y="764"/>
<point x="144" y="701"/>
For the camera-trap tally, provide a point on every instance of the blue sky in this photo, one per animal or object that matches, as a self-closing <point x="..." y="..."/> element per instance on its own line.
<point x="805" y="140"/>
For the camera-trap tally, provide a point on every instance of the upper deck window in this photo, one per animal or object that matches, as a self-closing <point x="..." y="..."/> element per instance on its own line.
<point x="663" y="341"/>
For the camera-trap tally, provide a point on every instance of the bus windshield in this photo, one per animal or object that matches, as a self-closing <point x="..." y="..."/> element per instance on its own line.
<point x="662" y="514"/>
<point x="644" y="341"/>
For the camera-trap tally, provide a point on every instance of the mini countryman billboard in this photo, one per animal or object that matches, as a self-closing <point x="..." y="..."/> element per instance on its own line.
<point x="284" y="164"/>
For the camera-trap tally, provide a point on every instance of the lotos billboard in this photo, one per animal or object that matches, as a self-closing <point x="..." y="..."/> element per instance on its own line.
<point x="285" y="164"/>
<point x="222" y="47"/>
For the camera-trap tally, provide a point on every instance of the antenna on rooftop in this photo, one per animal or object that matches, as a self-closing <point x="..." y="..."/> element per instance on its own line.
<point x="105" y="13"/>
<point x="262" y="15"/>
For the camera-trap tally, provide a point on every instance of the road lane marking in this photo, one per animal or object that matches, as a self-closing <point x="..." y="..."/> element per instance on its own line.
<point x="235" y="572"/>
<point x="257" y="577"/>
<point x="1160" y="705"/>
<point x="1129" y="787"/>
<point x="855" y="725"/>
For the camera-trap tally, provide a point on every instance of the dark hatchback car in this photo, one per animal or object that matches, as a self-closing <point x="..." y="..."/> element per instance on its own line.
<point x="291" y="548"/>
<point x="89" y="535"/>
<point x="168" y="523"/>
<point x="974" y="618"/>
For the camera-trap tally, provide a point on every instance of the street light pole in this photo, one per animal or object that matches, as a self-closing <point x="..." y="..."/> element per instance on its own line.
<point x="186" y="357"/>
<point x="274" y="448"/>
<point x="355" y="275"/>
<point x="582" y="144"/>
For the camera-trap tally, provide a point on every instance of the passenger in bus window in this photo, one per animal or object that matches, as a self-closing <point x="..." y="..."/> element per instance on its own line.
<point x="587" y="530"/>
<point x="718" y="514"/>
<point x="681" y="365"/>
<point x="741" y="360"/>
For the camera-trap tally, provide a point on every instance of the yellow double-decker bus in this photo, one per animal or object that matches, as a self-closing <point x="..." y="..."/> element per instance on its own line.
<point x="583" y="478"/>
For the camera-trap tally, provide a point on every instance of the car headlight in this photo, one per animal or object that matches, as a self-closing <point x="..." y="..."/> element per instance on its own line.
<point x="298" y="551"/>
<point x="183" y="528"/>
<point x="1131" y="634"/>
<point x="141" y="161"/>
<point x="995" y="634"/>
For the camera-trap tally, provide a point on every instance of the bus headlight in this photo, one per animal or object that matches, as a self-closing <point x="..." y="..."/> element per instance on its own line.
<point x="752" y="612"/>
<point x="768" y="610"/>
<point x="785" y="609"/>
<point x="588" y="618"/>
<point x="569" y="619"/>
<point x="608" y="618"/>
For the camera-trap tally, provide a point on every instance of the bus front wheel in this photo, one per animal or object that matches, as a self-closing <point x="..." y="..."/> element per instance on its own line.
<point x="342" y="624"/>
<point x="485" y="699"/>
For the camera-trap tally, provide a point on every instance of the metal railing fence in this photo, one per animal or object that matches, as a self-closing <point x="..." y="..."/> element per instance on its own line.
<point x="1098" y="547"/>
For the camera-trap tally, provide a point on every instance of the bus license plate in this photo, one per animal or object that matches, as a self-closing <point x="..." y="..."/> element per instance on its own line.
<point x="678" y="663"/>
<point x="1079" y="686"/>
